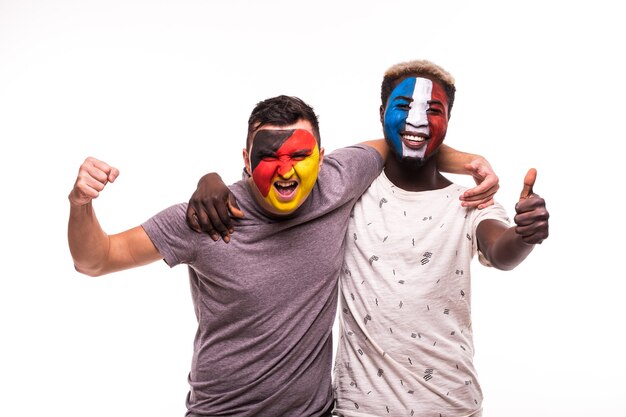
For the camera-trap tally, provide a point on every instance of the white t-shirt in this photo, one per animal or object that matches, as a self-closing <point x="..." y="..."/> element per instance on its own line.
<point x="405" y="341"/>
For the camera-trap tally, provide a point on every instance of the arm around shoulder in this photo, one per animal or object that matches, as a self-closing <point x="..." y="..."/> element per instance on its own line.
<point x="380" y="145"/>
<point x="487" y="182"/>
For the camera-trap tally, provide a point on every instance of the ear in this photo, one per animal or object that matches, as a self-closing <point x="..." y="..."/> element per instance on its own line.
<point x="321" y="157"/>
<point x="246" y="162"/>
<point x="382" y="114"/>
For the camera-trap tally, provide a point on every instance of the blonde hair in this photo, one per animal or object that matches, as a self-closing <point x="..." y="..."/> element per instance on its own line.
<point x="417" y="68"/>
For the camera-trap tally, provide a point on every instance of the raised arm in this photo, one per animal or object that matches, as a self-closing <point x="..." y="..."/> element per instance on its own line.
<point x="506" y="247"/>
<point x="93" y="251"/>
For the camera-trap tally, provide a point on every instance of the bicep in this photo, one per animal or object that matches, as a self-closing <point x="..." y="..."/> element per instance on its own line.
<point x="130" y="249"/>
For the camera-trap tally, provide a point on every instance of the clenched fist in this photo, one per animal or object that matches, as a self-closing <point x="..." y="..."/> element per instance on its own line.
<point x="93" y="176"/>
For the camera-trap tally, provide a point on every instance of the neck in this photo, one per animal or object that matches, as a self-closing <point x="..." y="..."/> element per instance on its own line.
<point x="411" y="177"/>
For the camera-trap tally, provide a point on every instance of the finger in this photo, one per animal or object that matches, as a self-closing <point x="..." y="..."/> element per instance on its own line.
<point x="233" y="207"/>
<point x="81" y="195"/>
<point x="200" y="217"/>
<point x="479" y="204"/>
<point x="223" y="223"/>
<point x="192" y="219"/>
<point x="110" y="173"/>
<point x="206" y="225"/>
<point x="488" y="187"/>
<point x="487" y="195"/>
<point x="212" y="223"/>
<point x="533" y="235"/>
<point x="529" y="182"/>
<point x="92" y="183"/>
<point x="486" y="204"/>
<point x="479" y="201"/>
<point x="92" y="175"/>
<point x="113" y="174"/>
<point x="531" y="213"/>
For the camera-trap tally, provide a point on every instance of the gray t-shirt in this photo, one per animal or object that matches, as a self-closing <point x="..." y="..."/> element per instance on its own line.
<point x="266" y="301"/>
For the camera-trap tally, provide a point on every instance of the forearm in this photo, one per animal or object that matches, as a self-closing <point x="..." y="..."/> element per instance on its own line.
<point x="454" y="161"/>
<point x="380" y="145"/>
<point x="508" y="250"/>
<point x="88" y="243"/>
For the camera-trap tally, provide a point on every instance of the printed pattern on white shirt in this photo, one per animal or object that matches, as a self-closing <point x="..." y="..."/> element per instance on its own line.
<point x="405" y="341"/>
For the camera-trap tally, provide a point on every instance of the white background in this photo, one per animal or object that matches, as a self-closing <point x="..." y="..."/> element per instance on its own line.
<point x="163" y="89"/>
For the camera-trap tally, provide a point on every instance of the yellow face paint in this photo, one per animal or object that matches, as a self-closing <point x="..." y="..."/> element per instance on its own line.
<point x="285" y="165"/>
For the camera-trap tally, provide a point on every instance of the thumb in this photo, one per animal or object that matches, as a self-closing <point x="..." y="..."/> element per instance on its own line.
<point x="233" y="207"/>
<point x="529" y="182"/>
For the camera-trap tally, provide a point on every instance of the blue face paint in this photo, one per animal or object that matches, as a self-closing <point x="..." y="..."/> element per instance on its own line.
<point x="396" y="112"/>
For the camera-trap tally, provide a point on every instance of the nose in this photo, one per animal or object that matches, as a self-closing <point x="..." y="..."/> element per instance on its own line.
<point x="416" y="124"/>
<point x="417" y="116"/>
<point x="286" y="170"/>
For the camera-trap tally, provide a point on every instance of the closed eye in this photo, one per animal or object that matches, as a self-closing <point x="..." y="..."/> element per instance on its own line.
<point x="436" y="107"/>
<point x="402" y="103"/>
<point x="268" y="156"/>
<point x="300" y="155"/>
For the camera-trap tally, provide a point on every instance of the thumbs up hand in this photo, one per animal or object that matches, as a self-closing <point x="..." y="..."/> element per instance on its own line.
<point x="531" y="216"/>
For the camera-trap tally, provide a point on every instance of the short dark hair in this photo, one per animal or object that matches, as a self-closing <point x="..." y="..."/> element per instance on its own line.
<point x="282" y="110"/>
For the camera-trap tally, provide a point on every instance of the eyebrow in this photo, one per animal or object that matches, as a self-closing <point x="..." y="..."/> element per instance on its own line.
<point x="403" y="98"/>
<point x="435" y="102"/>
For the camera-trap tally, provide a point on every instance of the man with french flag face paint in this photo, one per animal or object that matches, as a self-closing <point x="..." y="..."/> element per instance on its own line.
<point x="405" y="342"/>
<point x="415" y="119"/>
<point x="284" y="166"/>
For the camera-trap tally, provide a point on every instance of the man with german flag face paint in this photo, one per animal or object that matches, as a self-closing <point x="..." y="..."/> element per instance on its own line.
<point x="284" y="164"/>
<point x="415" y="119"/>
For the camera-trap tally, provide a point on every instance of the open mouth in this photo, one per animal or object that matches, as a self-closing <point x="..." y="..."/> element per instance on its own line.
<point x="414" y="141"/>
<point x="286" y="189"/>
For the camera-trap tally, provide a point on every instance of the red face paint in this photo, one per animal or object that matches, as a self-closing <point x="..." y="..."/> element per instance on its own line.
<point x="284" y="164"/>
<point x="437" y="122"/>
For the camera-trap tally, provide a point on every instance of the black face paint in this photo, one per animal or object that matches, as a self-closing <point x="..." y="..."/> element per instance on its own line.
<point x="266" y="143"/>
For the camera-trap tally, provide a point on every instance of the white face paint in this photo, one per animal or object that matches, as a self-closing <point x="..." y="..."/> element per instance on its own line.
<point x="417" y="119"/>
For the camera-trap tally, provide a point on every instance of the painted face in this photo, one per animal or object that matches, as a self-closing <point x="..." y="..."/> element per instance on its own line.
<point x="284" y="164"/>
<point x="416" y="118"/>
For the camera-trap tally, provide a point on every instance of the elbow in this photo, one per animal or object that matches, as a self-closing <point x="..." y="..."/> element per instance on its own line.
<point x="502" y="266"/>
<point x="90" y="272"/>
<point x="508" y="259"/>
<point x="506" y="250"/>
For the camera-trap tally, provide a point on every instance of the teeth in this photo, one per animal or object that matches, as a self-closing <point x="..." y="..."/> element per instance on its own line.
<point x="413" y="138"/>
<point x="286" y="183"/>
